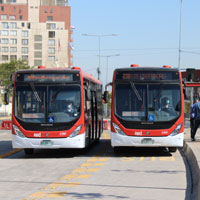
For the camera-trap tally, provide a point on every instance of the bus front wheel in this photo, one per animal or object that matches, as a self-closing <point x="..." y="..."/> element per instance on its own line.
<point x="172" y="149"/>
<point x="28" y="151"/>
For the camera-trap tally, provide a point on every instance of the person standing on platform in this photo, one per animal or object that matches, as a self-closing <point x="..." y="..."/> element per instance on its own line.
<point x="195" y="118"/>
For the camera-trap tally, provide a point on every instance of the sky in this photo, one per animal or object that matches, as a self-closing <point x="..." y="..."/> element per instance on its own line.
<point x="147" y="33"/>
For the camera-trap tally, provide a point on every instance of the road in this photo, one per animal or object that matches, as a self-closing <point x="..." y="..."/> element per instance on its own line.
<point x="97" y="174"/>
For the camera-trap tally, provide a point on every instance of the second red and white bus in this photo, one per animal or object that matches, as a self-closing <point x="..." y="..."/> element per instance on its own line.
<point x="147" y="108"/>
<point x="55" y="108"/>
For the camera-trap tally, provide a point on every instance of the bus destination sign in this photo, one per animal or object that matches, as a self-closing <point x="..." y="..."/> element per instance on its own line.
<point x="147" y="75"/>
<point x="53" y="78"/>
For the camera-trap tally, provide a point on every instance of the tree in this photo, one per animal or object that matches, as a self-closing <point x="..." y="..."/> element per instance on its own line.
<point x="6" y="69"/>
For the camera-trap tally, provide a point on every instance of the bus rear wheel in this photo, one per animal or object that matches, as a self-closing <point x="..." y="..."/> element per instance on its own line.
<point x="172" y="149"/>
<point x="29" y="151"/>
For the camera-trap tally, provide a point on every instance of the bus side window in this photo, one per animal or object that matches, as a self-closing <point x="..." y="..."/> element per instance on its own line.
<point x="85" y="100"/>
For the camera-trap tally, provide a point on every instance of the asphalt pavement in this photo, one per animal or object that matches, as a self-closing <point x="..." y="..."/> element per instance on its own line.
<point x="191" y="152"/>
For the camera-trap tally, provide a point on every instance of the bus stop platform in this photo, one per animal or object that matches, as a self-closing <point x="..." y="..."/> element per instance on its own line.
<point x="191" y="151"/>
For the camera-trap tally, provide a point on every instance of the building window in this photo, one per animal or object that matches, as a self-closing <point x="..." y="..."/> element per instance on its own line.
<point x="14" y="9"/>
<point x="28" y="25"/>
<point x="13" y="49"/>
<point x="24" y="33"/>
<point x="51" y="50"/>
<point x="24" y="42"/>
<point x="5" y="57"/>
<point x="3" y="17"/>
<point x="52" y="34"/>
<point x="11" y="1"/>
<point x="13" y="41"/>
<point x="51" y="42"/>
<point x="38" y="46"/>
<point x="37" y="62"/>
<point x="20" y="10"/>
<point x="4" y="25"/>
<point x="20" y="17"/>
<point x="2" y="8"/>
<point x="13" y="25"/>
<point x="49" y="18"/>
<point x="4" y="33"/>
<point x="46" y="10"/>
<point x="38" y="38"/>
<point x="51" y="11"/>
<point x="51" y="26"/>
<point x="13" y="33"/>
<point x="23" y="24"/>
<point x="4" y="41"/>
<point x="25" y="58"/>
<point x="13" y="57"/>
<point x="51" y="58"/>
<point x="4" y="49"/>
<point x="38" y="54"/>
<point x="24" y="50"/>
<point x="12" y="17"/>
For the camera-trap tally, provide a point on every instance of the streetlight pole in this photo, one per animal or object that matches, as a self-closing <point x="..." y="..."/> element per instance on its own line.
<point x="99" y="41"/>
<point x="180" y="29"/>
<point x="107" y="57"/>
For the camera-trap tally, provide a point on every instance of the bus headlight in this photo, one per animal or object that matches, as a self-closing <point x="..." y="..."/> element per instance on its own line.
<point x="118" y="130"/>
<point x="18" y="132"/>
<point x="76" y="131"/>
<point x="176" y="130"/>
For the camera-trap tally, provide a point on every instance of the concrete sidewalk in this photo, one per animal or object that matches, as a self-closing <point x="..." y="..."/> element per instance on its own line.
<point x="191" y="151"/>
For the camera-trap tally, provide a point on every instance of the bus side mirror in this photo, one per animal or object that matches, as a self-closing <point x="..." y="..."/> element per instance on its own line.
<point x="6" y="98"/>
<point x="105" y="96"/>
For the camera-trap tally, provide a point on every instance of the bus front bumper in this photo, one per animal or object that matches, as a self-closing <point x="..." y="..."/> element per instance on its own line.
<point x="49" y="143"/>
<point x="118" y="140"/>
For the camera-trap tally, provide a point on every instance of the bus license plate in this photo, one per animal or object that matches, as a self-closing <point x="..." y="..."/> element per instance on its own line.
<point x="147" y="141"/>
<point x="46" y="143"/>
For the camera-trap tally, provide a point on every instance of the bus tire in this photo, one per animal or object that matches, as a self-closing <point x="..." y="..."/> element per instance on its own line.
<point x="29" y="151"/>
<point x="117" y="149"/>
<point x="172" y="149"/>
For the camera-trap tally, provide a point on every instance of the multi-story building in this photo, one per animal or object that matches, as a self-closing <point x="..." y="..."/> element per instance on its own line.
<point x="37" y="31"/>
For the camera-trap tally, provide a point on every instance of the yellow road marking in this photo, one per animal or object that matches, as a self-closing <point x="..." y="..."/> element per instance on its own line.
<point x="69" y="177"/>
<point x="126" y="159"/>
<point x="57" y="194"/>
<point x="38" y="195"/>
<point x="167" y="158"/>
<point x="142" y="158"/>
<point x="93" y="169"/>
<point x="86" y="164"/>
<point x="84" y="176"/>
<point x="79" y="170"/>
<point x="153" y="158"/>
<point x="10" y="153"/>
<point x="103" y="159"/>
<point x="98" y="164"/>
<point x="92" y="160"/>
<point x="74" y="174"/>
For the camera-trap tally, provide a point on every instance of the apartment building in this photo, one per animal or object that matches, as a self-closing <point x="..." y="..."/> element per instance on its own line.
<point x="36" y="31"/>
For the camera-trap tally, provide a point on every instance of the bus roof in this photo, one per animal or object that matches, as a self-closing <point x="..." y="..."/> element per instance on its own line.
<point x="146" y="69"/>
<point x="58" y="70"/>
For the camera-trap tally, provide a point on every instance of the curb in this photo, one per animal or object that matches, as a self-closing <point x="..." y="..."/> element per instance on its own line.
<point x="194" y="170"/>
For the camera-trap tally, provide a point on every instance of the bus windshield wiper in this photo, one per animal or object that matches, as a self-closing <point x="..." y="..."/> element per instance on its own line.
<point x="136" y="91"/>
<point x="35" y="92"/>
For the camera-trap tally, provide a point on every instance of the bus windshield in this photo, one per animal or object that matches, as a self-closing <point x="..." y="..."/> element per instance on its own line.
<point x="47" y="104"/>
<point x="142" y="102"/>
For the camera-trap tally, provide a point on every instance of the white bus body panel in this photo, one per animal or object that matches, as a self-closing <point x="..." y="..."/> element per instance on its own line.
<point x="57" y="143"/>
<point x="118" y="140"/>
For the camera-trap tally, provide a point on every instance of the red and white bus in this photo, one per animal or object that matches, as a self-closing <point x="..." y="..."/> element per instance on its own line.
<point x="147" y="108"/>
<point x="55" y="108"/>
